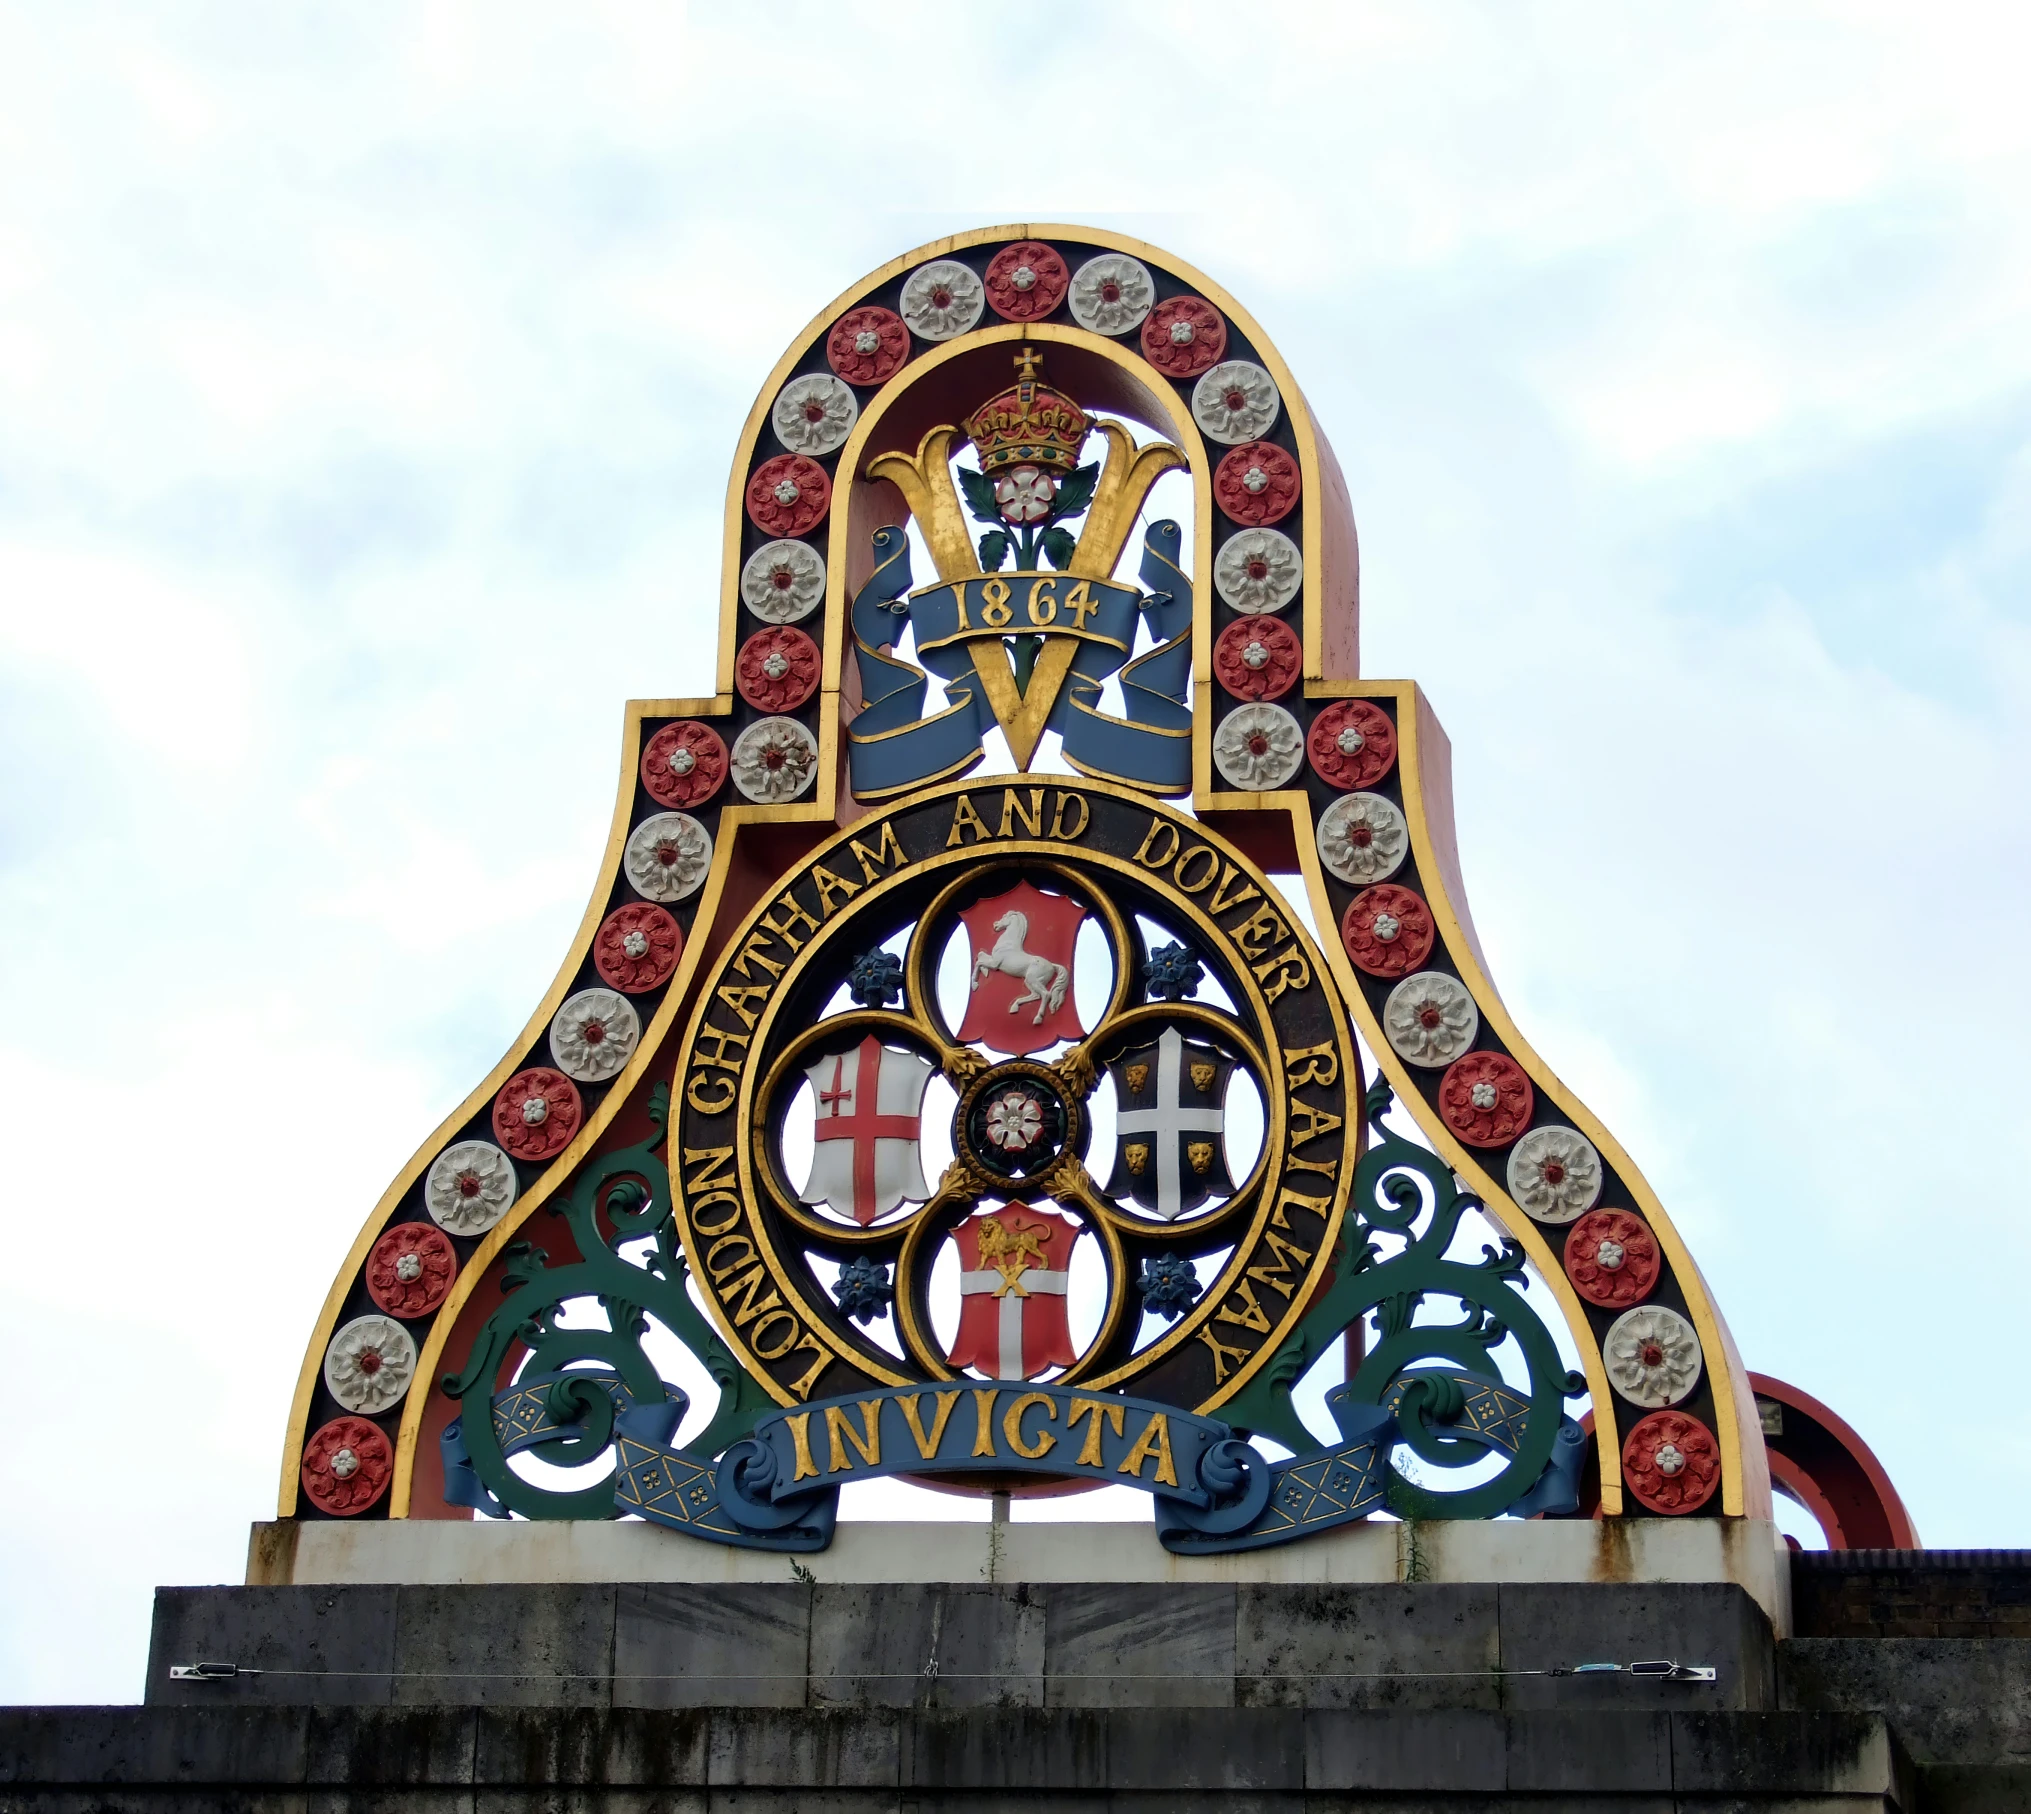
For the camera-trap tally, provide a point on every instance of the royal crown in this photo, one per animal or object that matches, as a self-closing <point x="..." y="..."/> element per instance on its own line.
<point x="1029" y="424"/>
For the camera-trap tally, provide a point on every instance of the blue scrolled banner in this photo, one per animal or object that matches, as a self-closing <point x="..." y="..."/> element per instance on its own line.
<point x="779" y="1489"/>
<point x="893" y="746"/>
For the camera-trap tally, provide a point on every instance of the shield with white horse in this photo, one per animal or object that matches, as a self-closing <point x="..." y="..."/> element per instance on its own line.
<point x="1019" y="984"/>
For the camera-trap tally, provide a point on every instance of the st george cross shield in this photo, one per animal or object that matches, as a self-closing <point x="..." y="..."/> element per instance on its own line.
<point x="1169" y="1153"/>
<point x="1019" y="988"/>
<point x="865" y="1156"/>
<point x="1013" y="1269"/>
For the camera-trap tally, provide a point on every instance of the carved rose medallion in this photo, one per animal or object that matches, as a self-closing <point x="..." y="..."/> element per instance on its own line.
<point x="1111" y="294"/>
<point x="777" y="670"/>
<point x="469" y="1187"/>
<point x="636" y="948"/>
<point x="1363" y="839"/>
<point x="1671" y="1463"/>
<point x="1258" y="570"/>
<point x="1387" y="930"/>
<point x="347" y="1466"/>
<point x="1653" y="1356"/>
<point x="774" y="760"/>
<point x="1555" y="1174"/>
<point x="789" y="495"/>
<point x="1236" y="402"/>
<point x="783" y="582"/>
<point x="867" y="346"/>
<point x="1486" y="1099"/>
<point x="594" y="1034"/>
<point x="1259" y="658"/>
<point x="1184" y="336"/>
<point x="1026" y="281"/>
<point x="537" y="1113"/>
<point x="1430" y="1019"/>
<point x="369" y="1364"/>
<point x="1257" y="484"/>
<point x="410" y="1270"/>
<point x="1258" y="746"/>
<point x="942" y="300"/>
<point x="684" y="764"/>
<point x="814" y="414"/>
<point x="669" y="855"/>
<point x="1612" y="1259"/>
<point x="1352" y="744"/>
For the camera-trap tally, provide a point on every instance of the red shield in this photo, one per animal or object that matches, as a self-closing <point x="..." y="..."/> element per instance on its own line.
<point x="1020" y="982"/>
<point x="1014" y="1265"/>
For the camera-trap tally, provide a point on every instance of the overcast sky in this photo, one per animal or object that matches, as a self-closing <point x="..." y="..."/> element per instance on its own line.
<point x="368" y="380"/>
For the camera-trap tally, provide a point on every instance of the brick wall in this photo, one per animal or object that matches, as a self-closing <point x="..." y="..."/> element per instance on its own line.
<point x="1911" y="1593"/>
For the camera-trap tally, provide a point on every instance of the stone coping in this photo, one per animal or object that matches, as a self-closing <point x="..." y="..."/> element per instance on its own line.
<point x="1749" y="1552"/>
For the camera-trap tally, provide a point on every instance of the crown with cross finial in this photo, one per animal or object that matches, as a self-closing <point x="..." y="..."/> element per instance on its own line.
<point x="1029" y="424"/>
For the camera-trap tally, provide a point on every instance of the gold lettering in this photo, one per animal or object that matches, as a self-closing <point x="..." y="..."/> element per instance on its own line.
<point x="1221" y="1354"/>
<point x="800" y="1437"/>
<point x="717" y="1103"/>
<point x="753" y="949"/>
<point x="995" y="610"/>
<point x="1329" y="1168"/>
<point x="1205" y="876"/>
<point x="964" y="818"/>
<point x="1012" y="813"/>
<point x="786" y="901"/>
<point x="842" y="1436"/>
<point x="1058" y="827"/>
<point x="927" y="1446"/>
<point x="733" y="1214"/>
<point x="1222" y="899"/>
<point x="736" y="998"/>
<point x="715" y="1165"/>
<point x="1317" y="1122"/>
<point x="712" y="1266"/>
<point x="781" y="1348"/>
<point x="721" y="1039"/>
<point x="1287" y="970"/>
<point x="886" y="850"/>
<point x="1040" y="597"/>
<point x="1250" y="1315"/>
<point x="1283" y="1252"/>
<point x="1012" y="1426"/>
<point x="749" y="1307"/>
<point x="983" y="1420"/>
<point x="1321" y="1065"/>
<point x="802" y="1388"/>
<point x="1101" y="1412"/>
<point x="1159" y="828"/>
<point x="1154" y="1440"/>
<point x="1259" y="932"/>
<point x="829" y="885"/>
<point x="1081" y="602"/>
<point x="1316" y="1205"/>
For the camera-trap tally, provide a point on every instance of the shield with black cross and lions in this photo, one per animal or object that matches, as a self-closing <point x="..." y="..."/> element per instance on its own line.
<point x="1170" y="1154"/>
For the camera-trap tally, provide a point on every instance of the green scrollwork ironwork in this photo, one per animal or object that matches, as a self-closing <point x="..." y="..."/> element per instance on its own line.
<point x="578" y="1378"/>
<point x="1453" y="1414"/>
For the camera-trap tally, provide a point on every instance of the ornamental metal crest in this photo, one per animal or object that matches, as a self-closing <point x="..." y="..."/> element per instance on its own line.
<point x="1029" y="1032"/>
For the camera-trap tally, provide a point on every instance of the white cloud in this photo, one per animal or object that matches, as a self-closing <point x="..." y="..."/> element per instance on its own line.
<point x="366" y="391"/>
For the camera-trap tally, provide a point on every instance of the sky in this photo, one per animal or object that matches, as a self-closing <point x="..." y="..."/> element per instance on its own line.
<point x="368" y="382"/>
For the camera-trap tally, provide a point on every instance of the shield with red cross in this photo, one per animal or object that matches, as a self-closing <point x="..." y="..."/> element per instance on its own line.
<point x="1014" y="1267"/>
<point x="1019" y="988"/>
<point x="865" y="1152"/>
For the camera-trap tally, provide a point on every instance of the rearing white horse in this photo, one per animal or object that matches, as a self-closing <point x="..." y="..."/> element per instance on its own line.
<point x="1043" y="981"/>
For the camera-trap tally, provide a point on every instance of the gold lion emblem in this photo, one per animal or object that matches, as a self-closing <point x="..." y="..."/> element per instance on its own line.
<point x="1200" y="1152"/>
<point x="1136" y="1153"/>
<point x="1202" y="1077"/>
<point x="1138" y="1078"/>
<point x="1010" y="1252"/>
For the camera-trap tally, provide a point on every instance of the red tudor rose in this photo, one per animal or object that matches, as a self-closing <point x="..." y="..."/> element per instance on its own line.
<point x="868" y="346"/>
<point x="410" y="1270"/>
<point x="1257" y="484"/>
<point x="1184" y="337"/>
<point x="637" y="948"/>
<point x="1026" y="281"/>
<point x="684" y="764"/>
<point x="1486" y="1099"/>
<point x="777" y="669"/>
<point x="1612" y="1259"/>
<point x="536" y="1114"/>
<point x="1258" y="658"/>
<point x="1388" y="930"/>
<point x="1671" y="1463"/>
<point x="789" y="495"/>
<point x="347" y="1465"/>
<point x="1352" y="744"/>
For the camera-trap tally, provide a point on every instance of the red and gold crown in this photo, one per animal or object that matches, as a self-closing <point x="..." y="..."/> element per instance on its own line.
<point x="1029" y="424"/>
